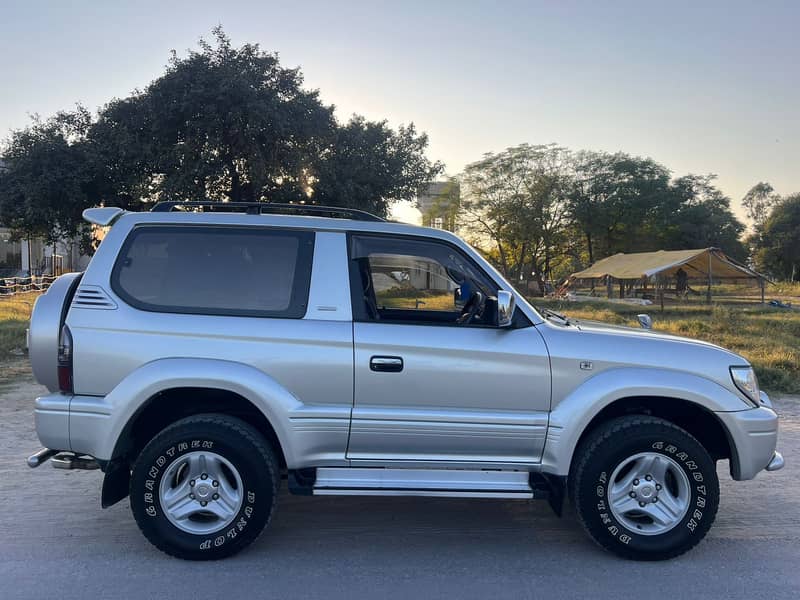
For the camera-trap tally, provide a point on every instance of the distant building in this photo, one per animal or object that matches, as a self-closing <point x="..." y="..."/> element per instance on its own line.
<point x="439" y="202"/>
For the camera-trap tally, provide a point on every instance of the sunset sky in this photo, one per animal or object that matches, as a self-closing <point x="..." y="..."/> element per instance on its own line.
<point x="699" y="86"/>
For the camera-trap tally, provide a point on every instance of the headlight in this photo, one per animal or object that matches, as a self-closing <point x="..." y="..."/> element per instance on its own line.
<point x="745" y="379"/>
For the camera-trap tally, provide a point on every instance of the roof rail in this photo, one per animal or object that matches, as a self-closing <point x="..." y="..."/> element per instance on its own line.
<point x="260" y="208"/>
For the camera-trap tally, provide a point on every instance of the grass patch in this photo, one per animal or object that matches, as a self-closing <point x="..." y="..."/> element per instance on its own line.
<point x="15" y="314"/>
<point x="768" y="337"/>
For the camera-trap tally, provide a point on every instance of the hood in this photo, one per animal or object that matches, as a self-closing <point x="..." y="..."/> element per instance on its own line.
<point x="606" y="346"/>
<point x="600" y="327"/>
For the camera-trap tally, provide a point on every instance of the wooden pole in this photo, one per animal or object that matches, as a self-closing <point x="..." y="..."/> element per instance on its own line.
<point x="708" y="292"/>
<point x="761" y="283"/>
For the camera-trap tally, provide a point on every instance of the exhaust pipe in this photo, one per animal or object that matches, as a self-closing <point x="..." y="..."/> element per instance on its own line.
<point x="34" y="460"/>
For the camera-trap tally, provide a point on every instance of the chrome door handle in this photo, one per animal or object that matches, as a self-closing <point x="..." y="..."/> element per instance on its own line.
<point x="386" y="364"/>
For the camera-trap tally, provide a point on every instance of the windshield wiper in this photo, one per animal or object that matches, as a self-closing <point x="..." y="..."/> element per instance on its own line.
<point x="551" y="314"/>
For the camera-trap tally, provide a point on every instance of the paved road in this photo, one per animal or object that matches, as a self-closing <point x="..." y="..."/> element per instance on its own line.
<point x="56" y="542"/>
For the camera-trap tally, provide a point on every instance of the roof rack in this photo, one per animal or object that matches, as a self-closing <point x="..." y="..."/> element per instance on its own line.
<point x="260" y="208"/>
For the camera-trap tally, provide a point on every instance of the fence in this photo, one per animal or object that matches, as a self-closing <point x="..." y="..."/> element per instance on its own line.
<point x="12" y="286"/>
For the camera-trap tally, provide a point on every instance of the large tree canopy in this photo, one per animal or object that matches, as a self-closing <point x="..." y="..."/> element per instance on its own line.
<point x="45" y="183"/>
<point x="222" y="123"/>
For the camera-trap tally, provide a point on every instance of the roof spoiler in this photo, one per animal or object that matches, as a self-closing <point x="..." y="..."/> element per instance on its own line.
<point x="103" y="216"/>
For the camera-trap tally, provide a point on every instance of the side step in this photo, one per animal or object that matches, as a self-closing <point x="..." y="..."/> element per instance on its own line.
<point x="357" y="481"/>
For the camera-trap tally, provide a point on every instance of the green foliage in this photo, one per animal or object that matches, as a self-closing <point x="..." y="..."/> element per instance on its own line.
<point x="621" y="203"/>
<point x="517" y="201"/>
<point x="46" y="184"/>
<point x="222" y="123"/>
<point x="702" y="218"/>
<point x="778" y="249"/>
<point x="368" y="165"/>
<point x="758" y="200"/>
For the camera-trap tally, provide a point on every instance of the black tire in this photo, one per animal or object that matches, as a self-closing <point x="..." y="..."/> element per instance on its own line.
<point x="608" y="447"/>
<point x="235" y="441"/>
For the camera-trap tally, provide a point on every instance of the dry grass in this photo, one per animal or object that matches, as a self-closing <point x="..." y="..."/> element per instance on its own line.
<point x="766" y="336"/>
<point x="15" y="312"/>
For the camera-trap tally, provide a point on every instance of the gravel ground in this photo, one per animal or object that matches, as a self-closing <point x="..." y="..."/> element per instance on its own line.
<point x="58" y="543"/>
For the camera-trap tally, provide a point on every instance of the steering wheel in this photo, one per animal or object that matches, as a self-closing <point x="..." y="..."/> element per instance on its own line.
<point x="473" y="307"/>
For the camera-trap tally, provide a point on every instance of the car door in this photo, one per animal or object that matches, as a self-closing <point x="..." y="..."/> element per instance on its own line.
<point x="431" y="390"/>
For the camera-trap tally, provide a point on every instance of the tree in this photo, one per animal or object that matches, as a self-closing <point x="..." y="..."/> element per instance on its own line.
<point x="779" y="251"/>
<point x="758" y="201"/>
<point x="515" y="200"/>
<point x="616" y="201"/>
<point x="223" y="123"/>
<point x="703" y="218"/>
<point x="46" y="183"/>
<point x="368" y="165"/>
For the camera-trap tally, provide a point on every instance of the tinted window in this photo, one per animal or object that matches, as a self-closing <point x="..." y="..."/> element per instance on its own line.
<point x="215" y="270"/>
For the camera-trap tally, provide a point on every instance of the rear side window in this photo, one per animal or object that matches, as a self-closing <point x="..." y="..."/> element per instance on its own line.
<point x="215" y="270"/>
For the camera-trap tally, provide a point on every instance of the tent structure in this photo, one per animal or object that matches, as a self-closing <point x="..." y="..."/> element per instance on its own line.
<point x="707" y="264"/>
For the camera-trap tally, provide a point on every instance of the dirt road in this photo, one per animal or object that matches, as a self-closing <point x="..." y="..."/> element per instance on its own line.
<point x="58" y="543"/>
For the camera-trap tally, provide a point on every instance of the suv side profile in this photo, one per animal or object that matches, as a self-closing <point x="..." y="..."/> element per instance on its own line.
<point x="211" y="350"/>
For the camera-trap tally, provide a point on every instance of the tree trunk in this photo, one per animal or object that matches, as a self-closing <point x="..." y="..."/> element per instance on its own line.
<point x="589" y="247"/>
<point x="503" y="261"/>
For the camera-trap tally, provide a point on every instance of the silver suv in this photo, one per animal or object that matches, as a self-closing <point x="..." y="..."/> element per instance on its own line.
<point x="209" y="351"/>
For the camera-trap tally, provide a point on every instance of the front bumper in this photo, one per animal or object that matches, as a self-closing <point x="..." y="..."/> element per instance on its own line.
<point x="753" y="436"/>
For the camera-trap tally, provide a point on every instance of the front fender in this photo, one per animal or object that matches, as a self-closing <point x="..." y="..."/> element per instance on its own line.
<point x="572" y="415"/>
<point x="96" y="423"/>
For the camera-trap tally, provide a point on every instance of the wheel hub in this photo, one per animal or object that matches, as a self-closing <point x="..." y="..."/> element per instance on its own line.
<point x="645" y="491"/>
<point x="649" y="493"/>
<point x="201" y="492"/>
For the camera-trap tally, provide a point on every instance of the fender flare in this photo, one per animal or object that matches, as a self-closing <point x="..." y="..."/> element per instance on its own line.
<point x="570" y="417"/>
<point x="139" y="387"/>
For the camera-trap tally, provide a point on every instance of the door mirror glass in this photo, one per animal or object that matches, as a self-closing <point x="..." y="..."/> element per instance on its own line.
<point x="505" y="308"/>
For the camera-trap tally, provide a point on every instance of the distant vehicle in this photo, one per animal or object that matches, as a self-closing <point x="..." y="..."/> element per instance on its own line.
<point x="208" y="351"/>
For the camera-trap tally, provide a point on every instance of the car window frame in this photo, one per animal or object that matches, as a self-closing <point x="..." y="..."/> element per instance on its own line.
<point x="360" y="313"/>
<point x="301" y="286"/>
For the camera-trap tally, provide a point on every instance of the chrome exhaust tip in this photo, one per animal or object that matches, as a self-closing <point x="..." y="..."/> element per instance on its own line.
<point x="34" y="460"/>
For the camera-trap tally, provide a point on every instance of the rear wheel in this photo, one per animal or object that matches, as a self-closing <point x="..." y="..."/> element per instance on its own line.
<point x="205" y="487"/>
<point x="644" y="488"/>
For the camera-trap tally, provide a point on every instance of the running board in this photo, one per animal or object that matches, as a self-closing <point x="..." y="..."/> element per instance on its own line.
<point x="358" y="481"/>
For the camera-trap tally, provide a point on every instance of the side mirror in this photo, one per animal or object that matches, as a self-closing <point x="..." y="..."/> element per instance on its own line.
<point x="505" y="308"/>
<point x="645" y="321"/>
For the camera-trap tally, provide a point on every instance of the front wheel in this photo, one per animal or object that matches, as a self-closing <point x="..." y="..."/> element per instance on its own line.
<point x="204" y="487"/>
<point x="644" y="488"/>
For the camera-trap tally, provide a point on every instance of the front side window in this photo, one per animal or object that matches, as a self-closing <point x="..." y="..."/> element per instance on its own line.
<point x="411" y="280"/>
<point x="215" y="270"/>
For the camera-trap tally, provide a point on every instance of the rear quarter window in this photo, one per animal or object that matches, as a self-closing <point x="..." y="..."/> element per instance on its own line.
<point x="215" y="270"/>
